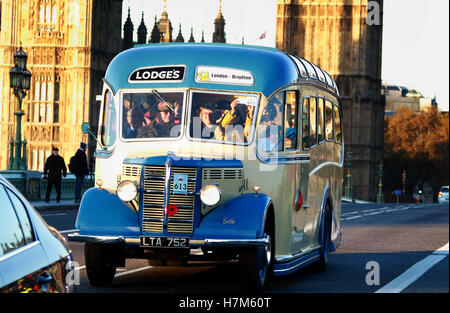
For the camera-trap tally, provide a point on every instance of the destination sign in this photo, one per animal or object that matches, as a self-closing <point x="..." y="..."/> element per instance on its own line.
<point x="158" y="74"/>
<point x="222" y="75"/>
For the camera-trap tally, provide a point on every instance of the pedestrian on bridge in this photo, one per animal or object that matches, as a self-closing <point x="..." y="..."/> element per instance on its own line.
<point x="55" y="167"/>
<point x="78" y="165"/>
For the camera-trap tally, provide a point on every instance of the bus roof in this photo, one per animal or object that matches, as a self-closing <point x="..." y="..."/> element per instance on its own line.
<point x="266" y="68"/>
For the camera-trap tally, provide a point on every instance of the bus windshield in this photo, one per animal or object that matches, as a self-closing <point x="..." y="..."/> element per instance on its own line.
<point x="152" y="115"/>
<point x="226" y="117"/>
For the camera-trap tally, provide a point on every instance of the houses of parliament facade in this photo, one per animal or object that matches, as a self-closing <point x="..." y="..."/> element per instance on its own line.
<point x="71" y="42"/>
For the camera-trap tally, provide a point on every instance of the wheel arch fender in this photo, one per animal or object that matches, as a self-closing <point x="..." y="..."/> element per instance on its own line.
<point x="327" y="200"/>
<point x="102" y="212"/>
<point x="242" y="216"/>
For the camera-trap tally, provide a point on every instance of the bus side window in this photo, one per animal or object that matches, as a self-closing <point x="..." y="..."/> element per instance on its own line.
<point x="328" y="120"/>
<point x="109" y="125"/>
<point x="290" y="119"/>
<point x="305" y="124"/>
<point x="270" y="129"/>
<point x="320" y="113"/>
<point x="312" y="121"/>
<point x="337" y="125"/>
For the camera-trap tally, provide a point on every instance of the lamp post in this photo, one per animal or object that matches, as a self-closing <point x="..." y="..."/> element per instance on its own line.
<point x="349" y="188"/>
<point x="380" y="196"/>
<point x="404" y="182"/>
<point x="20" y="80"/>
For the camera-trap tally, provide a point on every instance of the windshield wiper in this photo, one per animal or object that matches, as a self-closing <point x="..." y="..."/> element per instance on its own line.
<point x="158" y="95"/>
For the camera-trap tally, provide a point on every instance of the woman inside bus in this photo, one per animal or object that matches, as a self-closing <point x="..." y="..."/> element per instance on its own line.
<point x="205" y="120"/>
<point x="270" y="133"/>
<point x="232" y="122"/>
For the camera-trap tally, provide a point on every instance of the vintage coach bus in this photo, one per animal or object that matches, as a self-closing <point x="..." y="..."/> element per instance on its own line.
<point x="214" y="152"/>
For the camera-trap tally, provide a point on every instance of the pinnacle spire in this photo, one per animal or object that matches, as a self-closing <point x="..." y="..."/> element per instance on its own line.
<point x="219" y="14"/>
<point x="180" y="36"/>
<point x="142" y="31"/>
<point x="192" y="35"/>
<point x="156" y="35"/>
<point x="128" y="28"/>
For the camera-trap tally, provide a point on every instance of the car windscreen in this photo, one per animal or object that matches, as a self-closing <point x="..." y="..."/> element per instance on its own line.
<point x="444" y="189"/>
<point x="152" y="115"/>
<point x="224" y="117"/>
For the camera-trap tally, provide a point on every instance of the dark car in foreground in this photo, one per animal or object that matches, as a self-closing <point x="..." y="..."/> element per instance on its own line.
<point x="34" y="257"/>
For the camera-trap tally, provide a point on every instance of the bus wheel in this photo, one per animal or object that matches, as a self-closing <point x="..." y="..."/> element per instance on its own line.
<point x="100" y="265"/>
<point x="321" y="264"/>
<point x="256" y="264"/>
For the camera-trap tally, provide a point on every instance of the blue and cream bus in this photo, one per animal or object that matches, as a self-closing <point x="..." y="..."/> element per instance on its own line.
<point x="214" y="152"/>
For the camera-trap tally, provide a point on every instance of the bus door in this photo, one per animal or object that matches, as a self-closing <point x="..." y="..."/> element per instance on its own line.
<point x="297" y="168"/>
<point x="311" y="179"/>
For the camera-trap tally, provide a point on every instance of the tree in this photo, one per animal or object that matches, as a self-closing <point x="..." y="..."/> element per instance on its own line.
<point x="417" y="142"/>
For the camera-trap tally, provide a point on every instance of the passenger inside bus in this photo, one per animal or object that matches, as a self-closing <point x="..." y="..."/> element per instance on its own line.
<point x="270" y="133"/>
<point x="229" y="119"/>
<point x="236" y="124"/>
<point x="207" y="122"/>
<point x="161" y="124"/>
<point x="146" y="116"/>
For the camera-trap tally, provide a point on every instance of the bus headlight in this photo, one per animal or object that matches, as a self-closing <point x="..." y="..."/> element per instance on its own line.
<point x="127" y="190"/>
<point x="210" y="194"/>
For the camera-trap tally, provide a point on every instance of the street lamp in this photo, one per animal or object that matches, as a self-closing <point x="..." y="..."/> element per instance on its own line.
<point x="20" y="81"/>
<point x="380" y="196"/>
<point x="349" y="187"/>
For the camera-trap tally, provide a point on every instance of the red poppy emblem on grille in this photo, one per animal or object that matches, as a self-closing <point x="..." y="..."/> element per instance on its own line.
<point x="172" y="209"/>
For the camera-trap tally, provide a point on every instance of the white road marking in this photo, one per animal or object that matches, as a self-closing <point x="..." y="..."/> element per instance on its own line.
<point x="375" y="213"/>
<point x="53" y="214"/>
<point x="353" y="217"/>
<point x="442" y="250"/>
<point x="133" y="271"/>
<point x="367" y="211"/>
<point x="391" y="210"/>
<point x="68" y="231"/>
<point x="415" y="272"/>
<point x="350" y="213"/>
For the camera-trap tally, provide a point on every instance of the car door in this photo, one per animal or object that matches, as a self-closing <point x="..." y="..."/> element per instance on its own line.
<point x="22" y="258"/>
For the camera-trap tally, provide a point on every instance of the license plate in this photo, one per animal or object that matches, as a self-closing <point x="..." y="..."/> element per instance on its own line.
<point x="180" y="184"/>
<point x="164" y="242"/>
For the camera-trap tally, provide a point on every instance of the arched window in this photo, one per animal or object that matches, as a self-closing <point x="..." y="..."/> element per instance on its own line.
<point x="54" y="12"/>
<point x="41" y="14"/>
<point x="50" y="92"/>
<point x="34" y="161"/>
<point x="43" y="91"/>
<point x="36" y="91"/>
<point x="47" y="14"/>
<point x="49" y="116"/>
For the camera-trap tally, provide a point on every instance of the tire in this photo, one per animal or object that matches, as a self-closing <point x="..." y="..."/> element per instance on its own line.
<point x="256" y="264"/>
<point x="100" y="264"/>
<point x="321" y="264"/>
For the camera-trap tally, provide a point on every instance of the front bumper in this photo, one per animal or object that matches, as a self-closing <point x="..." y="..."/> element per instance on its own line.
<point x="213" y="243"/>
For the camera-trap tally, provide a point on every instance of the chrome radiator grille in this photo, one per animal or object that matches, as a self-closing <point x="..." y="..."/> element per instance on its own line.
<point x="153" y="201"/>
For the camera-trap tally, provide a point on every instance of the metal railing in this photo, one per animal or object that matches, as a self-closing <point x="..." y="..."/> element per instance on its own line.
<point x="32" y="185"/>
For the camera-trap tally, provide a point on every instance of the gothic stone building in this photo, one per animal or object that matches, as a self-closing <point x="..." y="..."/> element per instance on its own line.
<point x="334" y="35"/>
<point x="69" y="45"/>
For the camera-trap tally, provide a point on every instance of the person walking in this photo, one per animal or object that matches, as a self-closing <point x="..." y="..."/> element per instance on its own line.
<point x="54" y="168"/>
<point x="79" y="166"/>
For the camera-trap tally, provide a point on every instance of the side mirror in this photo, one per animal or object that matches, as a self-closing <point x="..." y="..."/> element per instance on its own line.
<point x="86" y="129"/>
<point x="291" y="133"/>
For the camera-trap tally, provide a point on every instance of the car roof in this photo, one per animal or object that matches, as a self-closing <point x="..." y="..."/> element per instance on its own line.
<point x="271" y="68"/>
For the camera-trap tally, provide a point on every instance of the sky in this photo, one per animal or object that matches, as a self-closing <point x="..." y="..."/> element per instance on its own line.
<point x="415" y="34"/>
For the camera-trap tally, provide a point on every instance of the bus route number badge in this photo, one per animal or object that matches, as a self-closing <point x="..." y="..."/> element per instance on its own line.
<point x="180" y="184"/>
